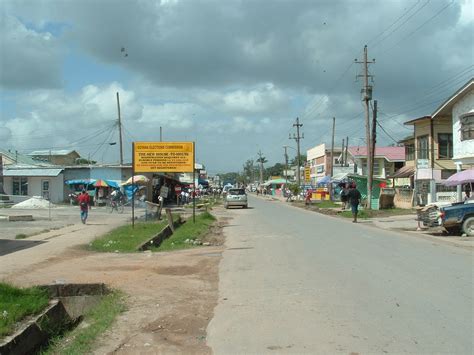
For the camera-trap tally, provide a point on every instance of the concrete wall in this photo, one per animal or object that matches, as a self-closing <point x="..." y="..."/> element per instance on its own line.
<point x="35" y="183"/>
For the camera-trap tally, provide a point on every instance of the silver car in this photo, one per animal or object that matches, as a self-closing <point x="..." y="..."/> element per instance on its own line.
<point x="236" y="197"/>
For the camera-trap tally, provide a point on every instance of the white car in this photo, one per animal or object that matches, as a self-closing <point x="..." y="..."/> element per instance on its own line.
<point x="236" y="197"/>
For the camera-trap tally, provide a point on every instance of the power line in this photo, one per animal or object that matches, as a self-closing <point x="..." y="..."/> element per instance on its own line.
<point x="404" y="22"/>
<point x="419" y="27"/>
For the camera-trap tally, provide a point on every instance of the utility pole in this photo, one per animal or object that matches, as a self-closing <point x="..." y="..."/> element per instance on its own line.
<point x="366" y="97"/>
<point x="297" y="138"/>
<point x="286" y="164"/>
<point x="342" y="153"/>
<point x="347" y="148"/>
<point x="374" y="140"/>
<point x="332" y="145"/>
<point x="260" y="159"/>
<point x="120" y="129"/>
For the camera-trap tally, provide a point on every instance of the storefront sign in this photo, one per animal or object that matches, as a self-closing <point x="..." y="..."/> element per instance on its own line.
<point x="423" y="164"/>
<point x="163" y="157"/>
<point x="307" y="174"/>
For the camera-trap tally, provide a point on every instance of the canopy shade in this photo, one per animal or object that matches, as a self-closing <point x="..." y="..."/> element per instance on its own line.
<point x="462" y="177"/>
<point x="80" y="182"/>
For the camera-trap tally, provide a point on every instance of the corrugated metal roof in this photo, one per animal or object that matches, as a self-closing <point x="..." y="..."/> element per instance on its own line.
<point x="31" y="172"/>
<point x="51" y="152"/>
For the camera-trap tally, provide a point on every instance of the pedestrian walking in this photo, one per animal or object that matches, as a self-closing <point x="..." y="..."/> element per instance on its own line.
<point x="84" y="201"/>
<point x="354" y="198"/>
<point x="344" y="198"/>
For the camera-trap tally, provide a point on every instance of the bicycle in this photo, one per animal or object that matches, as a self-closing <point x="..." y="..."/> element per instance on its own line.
<point x="115" y="205"/>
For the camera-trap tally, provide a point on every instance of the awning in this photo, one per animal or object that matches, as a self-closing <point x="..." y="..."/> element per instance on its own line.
<point x="31" y="172"/>
<point x="80" y="182"/>
<point x="403" y="172"/>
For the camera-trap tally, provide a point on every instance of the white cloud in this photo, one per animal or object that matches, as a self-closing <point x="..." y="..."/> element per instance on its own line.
<point x="170" y="115"/>
<point x="265" y="98"/>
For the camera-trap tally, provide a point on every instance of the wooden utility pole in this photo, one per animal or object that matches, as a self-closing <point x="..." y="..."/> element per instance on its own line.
<point x="347" y="148"/>
<point x="332" y="145"/>
<point x="286" y="164"/>
<point x="297" y="138"/>
<point x="374" y="140"/>
<point x="342" y="153"/>
<point x="120" y="129"/>
<point x="260" y="159"/>
<point x="366" y="97"/>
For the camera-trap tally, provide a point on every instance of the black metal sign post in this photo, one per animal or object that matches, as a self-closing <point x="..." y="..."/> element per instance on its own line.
<point x="194" y="182"/>
<point x="133" y="185"/>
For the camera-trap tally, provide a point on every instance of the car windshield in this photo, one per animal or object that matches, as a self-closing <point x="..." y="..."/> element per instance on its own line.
<point x="237" y="192"/>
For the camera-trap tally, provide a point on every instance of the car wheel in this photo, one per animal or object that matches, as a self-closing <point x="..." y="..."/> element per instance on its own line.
<point x="453" y="230"/>
<point x="244" y="206"/>
<point x="468" y="226"/>
<point x="226" y="206"/>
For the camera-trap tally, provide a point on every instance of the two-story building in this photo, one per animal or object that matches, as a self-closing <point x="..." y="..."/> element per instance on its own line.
<point x="387" y="160"/>
<point x="442" y="143"/>
<point x="320" y="161"/>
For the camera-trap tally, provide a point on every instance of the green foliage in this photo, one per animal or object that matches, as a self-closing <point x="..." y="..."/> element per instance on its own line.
<point x="17" y="303"/>
<point x="275" y="170"/>
<point x="21" y="236"/>
<point x="327" y="204"/>
<point x="99" y="319"/>
<point x="126" y="239"/>
<point x="189" y="230"/>
<point x="295" y="189"/>
<point x="294" y="161"/>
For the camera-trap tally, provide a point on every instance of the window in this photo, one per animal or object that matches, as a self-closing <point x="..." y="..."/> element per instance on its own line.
<point x="20" y="186"/>
<point x="445" y="145"/>
<point x="410" y="152"/>
<point x="467" y="127"/>
<point x="423" y="147"/>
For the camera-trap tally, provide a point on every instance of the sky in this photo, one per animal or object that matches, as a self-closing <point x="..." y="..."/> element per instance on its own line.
<point x="230" y="75"/>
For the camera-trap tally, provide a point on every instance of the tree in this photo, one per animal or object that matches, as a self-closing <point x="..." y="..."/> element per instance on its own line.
<point x="249" y="170"/>
<point x="262" y="160"/>
<point x="275" y="170"/>
<point x="294" y="161"/>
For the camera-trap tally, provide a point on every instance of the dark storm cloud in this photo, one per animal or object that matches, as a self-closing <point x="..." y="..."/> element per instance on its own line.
<point x="28" y="59"/>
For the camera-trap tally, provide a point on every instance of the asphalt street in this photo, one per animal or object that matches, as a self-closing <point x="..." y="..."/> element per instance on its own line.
<point x="293" y="281"/>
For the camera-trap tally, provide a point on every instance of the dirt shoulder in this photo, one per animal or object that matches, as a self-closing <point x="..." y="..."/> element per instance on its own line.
<point x="170" y="296"/>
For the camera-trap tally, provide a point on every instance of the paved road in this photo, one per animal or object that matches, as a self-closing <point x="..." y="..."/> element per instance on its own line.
<point x="292" y="281"/>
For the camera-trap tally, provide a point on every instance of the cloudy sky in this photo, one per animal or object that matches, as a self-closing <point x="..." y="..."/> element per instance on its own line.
<point x="231" y="75"/>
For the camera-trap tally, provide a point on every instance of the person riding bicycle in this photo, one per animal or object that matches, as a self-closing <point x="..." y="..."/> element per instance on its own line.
<point x="116" y="196"/>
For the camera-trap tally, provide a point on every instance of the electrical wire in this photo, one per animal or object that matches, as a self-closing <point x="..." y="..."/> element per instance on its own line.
<point x="419" y="27"/>
<point x="398" y="27"/>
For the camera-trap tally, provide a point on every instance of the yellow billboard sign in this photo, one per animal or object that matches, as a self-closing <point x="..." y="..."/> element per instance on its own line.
<point x="175" y="157"/>
<point x="307" y="174"/>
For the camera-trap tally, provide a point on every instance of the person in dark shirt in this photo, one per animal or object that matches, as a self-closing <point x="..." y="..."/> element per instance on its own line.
<point x="354" y="198"/>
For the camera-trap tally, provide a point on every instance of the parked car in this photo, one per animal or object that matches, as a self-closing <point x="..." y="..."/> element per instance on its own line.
<point x="458" y="218"/>
<point x="236" y="197"/>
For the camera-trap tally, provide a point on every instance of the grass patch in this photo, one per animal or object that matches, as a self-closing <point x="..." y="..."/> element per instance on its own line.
<point x="189" y="230"/>
<point x="21" y="236"/>
<point x="17" y="303"/>
<point x="98" y="320"/>
<point x="126" y="239"/>
<point x="363" y="214"/>
<point x="326" y="204"/>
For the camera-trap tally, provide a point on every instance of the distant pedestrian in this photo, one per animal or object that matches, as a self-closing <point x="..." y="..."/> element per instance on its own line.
<point x="354" y="198"/>
<point x="84" y="200"/>
<point x="344" y="198"/>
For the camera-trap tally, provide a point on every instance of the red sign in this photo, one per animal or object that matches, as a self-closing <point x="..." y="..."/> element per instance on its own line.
<point x="177" y="188"/>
